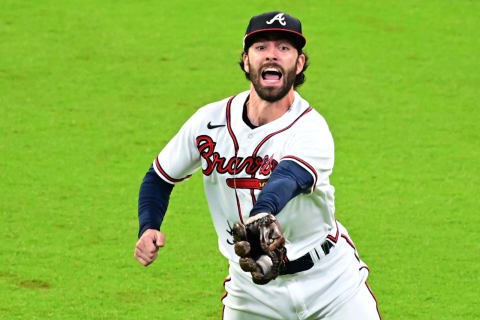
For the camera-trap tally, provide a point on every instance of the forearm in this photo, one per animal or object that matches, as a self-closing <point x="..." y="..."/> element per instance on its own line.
<point x="286" y="182"/>
<point x="152" y="201"/>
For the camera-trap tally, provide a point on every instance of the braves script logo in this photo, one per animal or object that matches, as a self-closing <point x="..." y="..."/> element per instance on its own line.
<point x="279" y="17"/>
<point x="251" y="165"/>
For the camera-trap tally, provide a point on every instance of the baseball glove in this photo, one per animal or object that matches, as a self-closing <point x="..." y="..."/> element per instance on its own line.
<point x="261" y="247"/>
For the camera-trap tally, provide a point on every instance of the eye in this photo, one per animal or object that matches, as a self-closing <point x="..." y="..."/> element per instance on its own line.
<point x="260" y="47"/>
<point x="284" y="48"/>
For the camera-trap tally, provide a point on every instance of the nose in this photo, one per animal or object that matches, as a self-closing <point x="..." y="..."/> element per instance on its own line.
<point x="271" y="53"/>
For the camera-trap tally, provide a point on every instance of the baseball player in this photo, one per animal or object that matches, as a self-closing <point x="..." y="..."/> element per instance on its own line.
<point x="266" y="156"/>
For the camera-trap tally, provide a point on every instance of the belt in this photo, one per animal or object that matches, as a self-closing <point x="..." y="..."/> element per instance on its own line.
<point x="308" y="260"/>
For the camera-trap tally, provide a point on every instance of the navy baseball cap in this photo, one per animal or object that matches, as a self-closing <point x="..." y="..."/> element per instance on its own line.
<point x="274" y="21"/>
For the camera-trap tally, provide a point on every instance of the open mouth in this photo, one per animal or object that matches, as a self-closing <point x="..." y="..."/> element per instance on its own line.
<point x="271" y="74"/>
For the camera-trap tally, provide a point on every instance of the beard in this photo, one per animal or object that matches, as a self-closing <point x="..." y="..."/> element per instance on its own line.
<point x="272" y="94"/>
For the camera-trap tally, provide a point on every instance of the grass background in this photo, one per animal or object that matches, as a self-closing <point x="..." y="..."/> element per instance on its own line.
<point x="90" y="91"/>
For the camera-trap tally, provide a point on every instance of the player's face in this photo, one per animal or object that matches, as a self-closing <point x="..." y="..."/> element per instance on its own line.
<point x="273" y="65"/>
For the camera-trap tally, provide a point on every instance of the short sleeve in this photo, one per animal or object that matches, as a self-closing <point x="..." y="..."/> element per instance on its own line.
<point x="311" y="146"/>
<point x="179" y="159"/>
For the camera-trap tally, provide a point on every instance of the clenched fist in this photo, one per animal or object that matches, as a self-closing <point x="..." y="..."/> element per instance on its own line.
<point x="146" y="250"/>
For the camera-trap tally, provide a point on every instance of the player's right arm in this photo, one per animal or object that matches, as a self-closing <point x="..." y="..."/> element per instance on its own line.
<point x="152" y="204"/>
<point x="146" y="250"/>
<point x="175" y="163"/>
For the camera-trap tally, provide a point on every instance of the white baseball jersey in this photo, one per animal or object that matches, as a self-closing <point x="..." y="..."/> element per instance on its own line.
<point x="237" y="161"/>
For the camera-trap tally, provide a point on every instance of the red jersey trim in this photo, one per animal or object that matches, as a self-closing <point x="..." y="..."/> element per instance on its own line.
<point x="160" y="169"/>
<point x="350" y="243"/>
<point x="279" y="131"/>
<point x="235" y="145"/>
<point x="332" y="238"/>
<point x="238" y="206"/>
<point x="374" y="298"/>
<point x="226" y="293"/>
<point x="254" y="200"/>
<point x="229" y="125"/>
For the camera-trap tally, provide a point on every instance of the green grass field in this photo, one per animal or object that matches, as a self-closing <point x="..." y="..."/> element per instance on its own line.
<point x="90" y="91"/>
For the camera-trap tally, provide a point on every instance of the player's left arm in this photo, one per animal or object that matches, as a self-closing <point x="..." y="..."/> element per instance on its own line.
<point x="260" y="243"/>
<point x="287" y="181"/>
<point x="305" y="166"/>
<point x="307" y="161"/>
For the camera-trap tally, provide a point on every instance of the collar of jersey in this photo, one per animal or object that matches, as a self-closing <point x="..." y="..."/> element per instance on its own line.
<point x="298" y="106"/>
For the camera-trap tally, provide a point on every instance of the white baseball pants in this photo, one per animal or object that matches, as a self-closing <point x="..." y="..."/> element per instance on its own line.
<point x="333" y="289"/>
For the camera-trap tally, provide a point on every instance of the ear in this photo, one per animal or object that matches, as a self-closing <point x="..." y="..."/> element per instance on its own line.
<point x="245" y="63"/>
<point x="300" y="63"/>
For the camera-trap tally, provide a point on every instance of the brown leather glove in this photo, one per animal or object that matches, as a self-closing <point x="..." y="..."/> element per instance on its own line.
<point x="261" y="247"/>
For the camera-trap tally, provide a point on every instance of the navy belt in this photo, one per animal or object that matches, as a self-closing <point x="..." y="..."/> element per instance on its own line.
<point x="306" y="262"/>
